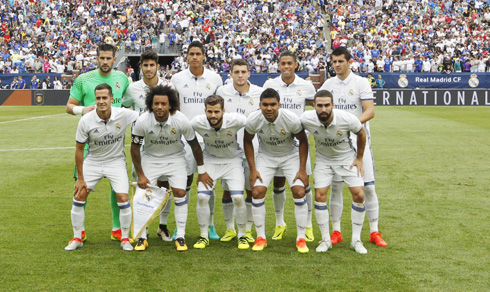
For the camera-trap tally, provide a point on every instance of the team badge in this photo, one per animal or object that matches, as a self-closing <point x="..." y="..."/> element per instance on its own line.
<point x="173" y="131"/>
<point x="118" y="85"/>
<point x="208" y="86"/>
<point x="299" y="93"/>
<point x="39" y="97"/>
<point x="339" y="133"/>
<point x="118" y="126"/>
<point x="229" y="133"/>
<point x="473" y="81"/>
<point x="148" y="195"/>
<point x="403" y="81"/>
<point x="283" y="132"/>
<point x="351" y="91"/>
<point x="251" y="101"/>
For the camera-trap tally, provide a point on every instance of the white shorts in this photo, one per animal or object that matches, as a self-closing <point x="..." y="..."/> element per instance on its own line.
<point x="308" y="166"/>
<point x="231" y="175"/>
<point x="175" y="172"/>
<point x="367" y="161"/>
<point x="190" y="161"/>
<point x="323" y="175"/>
<point x="115" y="171"/>
<point x="268" y="167"/>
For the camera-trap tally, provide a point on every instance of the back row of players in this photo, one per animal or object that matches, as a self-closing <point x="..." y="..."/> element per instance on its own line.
<point x="233" y="115"/>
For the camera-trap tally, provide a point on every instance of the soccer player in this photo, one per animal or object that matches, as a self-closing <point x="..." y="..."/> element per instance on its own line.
<point x="241" y="97"/>
<point x="276" y="128"/>
<point x="103" y="131"/>
<point x="194" y="84"/>
<point x="335" y="156"/>
<point x="352" y="93"/>
<point x="135" y="97"/>
<point x="161" y="129"/>
<point x="82" y="101"/>
<point x="223" y="159"/>
<point x="295" y="93"/>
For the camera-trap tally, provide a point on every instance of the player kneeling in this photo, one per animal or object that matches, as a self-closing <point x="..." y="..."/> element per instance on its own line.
<point x="335" y="155"/>
<point x="103" y="130"/>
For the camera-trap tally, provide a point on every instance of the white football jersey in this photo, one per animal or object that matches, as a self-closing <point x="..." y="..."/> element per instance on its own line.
<point x="105" y="139"/>
<point x="135" y="95"/>
<point x="235" y="102"/>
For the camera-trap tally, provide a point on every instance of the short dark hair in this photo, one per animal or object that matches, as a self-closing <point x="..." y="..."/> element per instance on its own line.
<point x="288" y="54"/>
<point x="173" y="97"/>
<point x="342" y="51"/>
<point x="196" y="44"/>
<point x="106" y="48"/>
<point x="238" y="62"/>
<point x="270" y="93"/>
<point x="214" y="100"/>
<point x="323" y="93"/>
<point x="149" y="55"/>
<point x="103" y="86"/>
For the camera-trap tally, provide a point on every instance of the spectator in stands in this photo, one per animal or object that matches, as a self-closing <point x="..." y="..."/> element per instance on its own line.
<point x="34" y="82"/>
<point x="22" y="83"/>
<point x="57" y="83"/>
<point x="14" y="84"/>
<point x="371" y="80"/>
<point x="3" y="86"/>
<point x="46" y="83"/>
<point x="380" y="83"/>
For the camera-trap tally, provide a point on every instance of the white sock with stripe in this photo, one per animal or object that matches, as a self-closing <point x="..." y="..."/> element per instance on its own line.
<point x="357" y="217"/>
<point x="321" y="214"/>
<point x="125" y="218"/>
<point x="301" y="215"/>
<point x="250" y="217"/>
<point x="77" y="218"/>
<point x="279" y="199"/>
<point x="258" y="210"/>
<point x="309" y="203"/>
<point x="202" y="210"/>
<point x="228" y="213"/>
<point x="180" y="215"/>
<point x="336" y="204"/>
<point x="372" y="207"/>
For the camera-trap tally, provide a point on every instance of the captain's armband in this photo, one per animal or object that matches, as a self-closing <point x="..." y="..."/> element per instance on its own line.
<point x="138" y="140"/>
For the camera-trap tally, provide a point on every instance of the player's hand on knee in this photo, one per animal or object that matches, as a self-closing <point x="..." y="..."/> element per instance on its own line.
<point x="301" y="175"/>
<point x="80" y="190"/>
<point x="143" y="182"/>
<point x="206" y="180"/>
<point x="360" y="168"/>
<point x="88" y="109"/>
<point x="254" y="176"/>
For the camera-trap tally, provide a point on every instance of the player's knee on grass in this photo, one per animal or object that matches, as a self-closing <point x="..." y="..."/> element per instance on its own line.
<point x="259" y="192"/>
<point x="357" y="194"/>
<point x="122" y="198"/>
<point x="279" y="181"/>
<point x="321" y="195"/>
<point x="178" y="193"/>
<point x="298" y="192"/>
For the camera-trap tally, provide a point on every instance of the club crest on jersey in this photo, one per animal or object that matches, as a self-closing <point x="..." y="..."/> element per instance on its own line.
<point x="299" y="93"/>
<point x="351" y="91"/>
<point x="208" y="86"/>
<point x="251" y="101"/>
<point x="118" y="126"/>
<point x="283" y="131"/>
<point x="118" y="86"/>
<point x="173" y="131"/>
<point x="148" y="196"/>
<point x="229" y="133"/>
<point x="339" y="133"/>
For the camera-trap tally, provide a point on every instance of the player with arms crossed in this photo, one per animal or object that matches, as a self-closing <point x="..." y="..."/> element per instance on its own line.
<point x="160" y="130"/>
<point x="223" y="159"/>
<point x="194" y="85"/>
<point x="135" y="97"/>
<point x="82" y="101"/>
<point x="103" y="130"/>
<point x="241" y="97"/>
<point x="336" y="156"/>
<point x="295" y="93"/>
<point x="353" y="93"/>
<point x="276" y="129"/>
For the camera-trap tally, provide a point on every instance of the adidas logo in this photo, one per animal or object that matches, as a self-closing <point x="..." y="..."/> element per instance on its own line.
<point x="261" y="132"/>
<point x="142" y="96"/>
<point x="229" y="100"/>
<point x="316" y="132"/>
<point x="96" y="131"/>
<point x="206" y="135"/>
<point x="151" y="133"/>
<point x="186" y="86"/>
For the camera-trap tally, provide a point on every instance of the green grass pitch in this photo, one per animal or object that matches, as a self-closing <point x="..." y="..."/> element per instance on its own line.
<point x="432" y="171"/>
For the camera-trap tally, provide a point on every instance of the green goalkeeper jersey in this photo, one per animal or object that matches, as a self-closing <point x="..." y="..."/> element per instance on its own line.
<point x="83" y="88"/>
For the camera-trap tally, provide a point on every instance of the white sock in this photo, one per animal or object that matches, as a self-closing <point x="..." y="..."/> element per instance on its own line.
<point x="301" y="214"/>
<point x="125" y="218"/>
<point x="180" y="212"/>
<point x="321" y="214"/>
<point x="228" y="213"/>
<point x="309" y="203"/>
<point x="258" y="210"/>
<point x="279" y="198"/>
<point x="77" y="218"/>
<point x="357" y="218"/>
<point x="202" y="210"/>
<point x="166" y="212"/>
<point x="211" y="209"/>
<point x="241" y="213"/>
<point x="250" y="217"/>
<point x="372" y="207"/>
<point x="336" y="204"/>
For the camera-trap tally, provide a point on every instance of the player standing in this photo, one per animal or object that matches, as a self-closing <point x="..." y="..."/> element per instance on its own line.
<point x="241" y="97"/>
<point x="336" y="156"/>
<point x="103" y="131"/>
<point x="82" y="101"/>
<point x="352" y="93"/>
<point x="194" y="84"/>
<point x="223" y="159"/>
<point x="160" y="129"/>
<point x="276" y="128"/>
<point x="295" y="93"/>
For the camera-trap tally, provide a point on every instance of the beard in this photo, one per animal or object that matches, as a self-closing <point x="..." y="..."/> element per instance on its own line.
<point x="324" y="118"/>
<point x="217" y="122"/>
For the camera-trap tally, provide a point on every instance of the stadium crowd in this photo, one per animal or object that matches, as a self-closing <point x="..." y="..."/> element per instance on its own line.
<point x="42" y="36"/>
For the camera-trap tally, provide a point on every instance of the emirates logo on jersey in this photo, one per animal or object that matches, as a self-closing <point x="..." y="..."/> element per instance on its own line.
<point x="118" y="85"/>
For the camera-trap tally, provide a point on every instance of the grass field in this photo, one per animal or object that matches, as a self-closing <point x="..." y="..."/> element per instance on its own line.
<point x="432" y="181"/>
